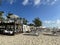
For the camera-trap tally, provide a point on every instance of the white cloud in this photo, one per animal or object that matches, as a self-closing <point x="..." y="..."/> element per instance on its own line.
<point x="47" y="22"/>
<point x="25" y="2"/>
<point x="11" y="1"/>
<point x="37" y="2"/>
<point x="52" y="23"/>
<point x="58" y="21"/>
<point x="53" y="2"/>
<point x="49" y="2"/>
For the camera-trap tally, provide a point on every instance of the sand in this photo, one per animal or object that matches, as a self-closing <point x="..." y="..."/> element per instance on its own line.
<point x="21" y="39"/>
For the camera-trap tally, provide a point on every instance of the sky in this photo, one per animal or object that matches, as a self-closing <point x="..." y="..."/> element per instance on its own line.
<point x="47" y="10"/>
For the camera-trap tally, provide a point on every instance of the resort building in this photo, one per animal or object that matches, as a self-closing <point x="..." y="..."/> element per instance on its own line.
<point x="13" y="23"/>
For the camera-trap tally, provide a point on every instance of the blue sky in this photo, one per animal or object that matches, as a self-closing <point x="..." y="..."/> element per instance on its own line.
<point x="47" y="10"/>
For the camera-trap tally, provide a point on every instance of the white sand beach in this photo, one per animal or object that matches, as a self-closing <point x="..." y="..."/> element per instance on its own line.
<point x="21" y="39"/>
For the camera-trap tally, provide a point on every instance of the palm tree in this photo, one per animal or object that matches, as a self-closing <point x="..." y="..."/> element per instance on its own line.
<point x="25" y="21"/>
<point x="1" y="16"/>
<point x="31" y="24"/>
<point x="37" y="22"/>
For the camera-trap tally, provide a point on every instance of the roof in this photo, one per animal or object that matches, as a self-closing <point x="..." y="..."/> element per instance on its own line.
<point x="14" y="16"/>
<point x="12" y="23"/>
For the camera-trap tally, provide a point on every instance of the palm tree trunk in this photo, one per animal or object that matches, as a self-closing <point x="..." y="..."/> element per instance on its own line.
<point x="14" y="25"/>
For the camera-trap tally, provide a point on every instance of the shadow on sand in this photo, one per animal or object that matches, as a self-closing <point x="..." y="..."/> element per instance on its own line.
<point x="50" y="34"/>
<point x="30" y="34"/>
